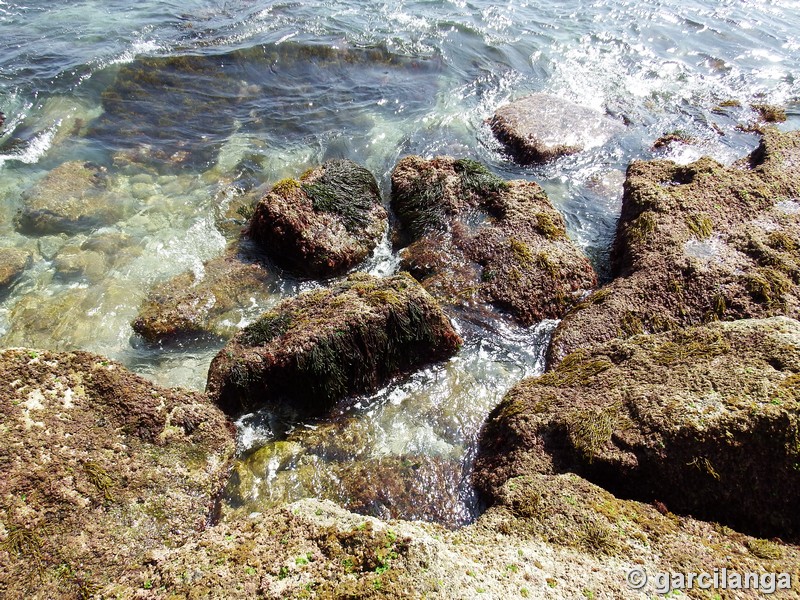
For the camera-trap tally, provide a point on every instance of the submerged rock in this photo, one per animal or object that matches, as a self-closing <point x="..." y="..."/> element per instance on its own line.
<point x="13" y="263"/>
<point x="72" y="197"/>
<point x="698" y="243"/>
<point x="98" y="469"/>
<point x="413" y="487"/>
<point x="188" y="305"/>
<point x="541" y="127"/>
<point x="323" y="345"/>
<point x="323" y="224"/>
<point x="475" y="239"/>
<point x="705" y="421"/>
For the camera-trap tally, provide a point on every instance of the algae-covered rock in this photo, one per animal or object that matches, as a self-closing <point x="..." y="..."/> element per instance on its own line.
<point x="697" y="243"/>
<point x="323" y="345"/>
<point x="72" y="197"/>
<point x="98" y="469"/>
<point x="188" y="305"/>
<point x="541" y="127"/>
<point x="705" y="420"/>
<point x="323" y="224"/>
<point x="552" y="537"/>
<point x="475" y="239"/>
<point x="13" y="263"/>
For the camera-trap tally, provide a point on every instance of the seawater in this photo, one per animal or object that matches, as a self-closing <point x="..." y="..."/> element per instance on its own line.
<point x="193" y="106"/>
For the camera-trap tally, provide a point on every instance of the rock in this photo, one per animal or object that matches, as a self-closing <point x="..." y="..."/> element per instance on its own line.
<point x="323" y="345"/>
<point x="323" y="224"/>
<point x="13" y="263"/>
<point x="99" y="468"/>
<point x="770" y="113"/>
<point x="476" y="239"/>
<point x="72" y="261"/>
<point x="557" y="537"/>
<point x="70" y="198"/>
<point x="187" y="306"/>
<point x="704" y="420"/>
<point x="541" y="127"/>
<point x="697" y="243"/>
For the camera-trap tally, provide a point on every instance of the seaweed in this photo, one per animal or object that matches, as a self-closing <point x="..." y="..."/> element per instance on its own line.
<point x="476" y="179"/>
<point x="265" y="329"/>
<point x="344" y="189"/>
<point x="420" y="205"/>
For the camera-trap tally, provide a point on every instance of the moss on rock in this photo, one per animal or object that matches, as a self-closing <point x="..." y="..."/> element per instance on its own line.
<point x="98" y="469"/>
<point x="323" y="224"/>
<point x="321" y="346"/>
<point x="475" y="239"/>
<point x="699" y="242"/>
<point x="701" y="420"/>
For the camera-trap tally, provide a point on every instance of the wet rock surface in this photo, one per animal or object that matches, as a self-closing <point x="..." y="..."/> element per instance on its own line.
<point x="201" y="306"/>
<point x="98" y="468"/>
<point x="70" y="198"/>
<point x="323" y="224"/>
<point x="704" y="420"/>
<point x="697" y="243"/>
<point x="13" y="263"/>
<point x="478" y="242"/>
<point x="321" y="346"/>
<point x="541" y="127"/>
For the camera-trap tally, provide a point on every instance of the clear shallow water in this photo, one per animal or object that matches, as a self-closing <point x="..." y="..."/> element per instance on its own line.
<point x="190" y="106"/>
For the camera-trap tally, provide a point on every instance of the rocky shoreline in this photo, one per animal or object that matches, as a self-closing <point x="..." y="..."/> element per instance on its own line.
<point x="664" y="436"/>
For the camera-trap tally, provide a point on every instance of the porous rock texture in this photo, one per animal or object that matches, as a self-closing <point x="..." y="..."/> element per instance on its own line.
<point x="541" y="127"/>
<point x="98" y="468"/>
<point x="323" y="345"/>
<point x="323" y="224"/>
<point x="698" y="243"/>
<point x="704" y="420"/>
<point x="206" y="305"/>
<point x="475" y="241"/>
<point x="552" y="536"/>
<point x="72" y="197"/>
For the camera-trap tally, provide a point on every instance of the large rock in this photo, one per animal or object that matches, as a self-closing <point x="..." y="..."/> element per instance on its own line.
<point x="72" y="197"/>
<point x="314" y="349"/>
<point x="476" y="239"/>
<point x="698" y="243"/>
<point x="209" y="305"/>
<point x="98" y="469"/>
<point x="13" y="263"/>
<point x="540" y="127"/>
<point x="706" y="421"/>
<point x="323" y="224"/>
<point x="554" y="537"/>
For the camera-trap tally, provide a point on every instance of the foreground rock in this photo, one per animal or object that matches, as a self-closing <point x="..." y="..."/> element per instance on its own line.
<point x="698" y="243"/>
<point x="98" y="468"/>
<point x="705" y="421"/>
<point x="13" y="263"/>
<point x="548" y="537"/>
<point x="321" y="346"/>
<point x="541" y="127"/>
<point x="72" y="197"/>
<point x="476" y="239"/>
<point x="323" y="224"/>
<point x="210" y="305"/>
